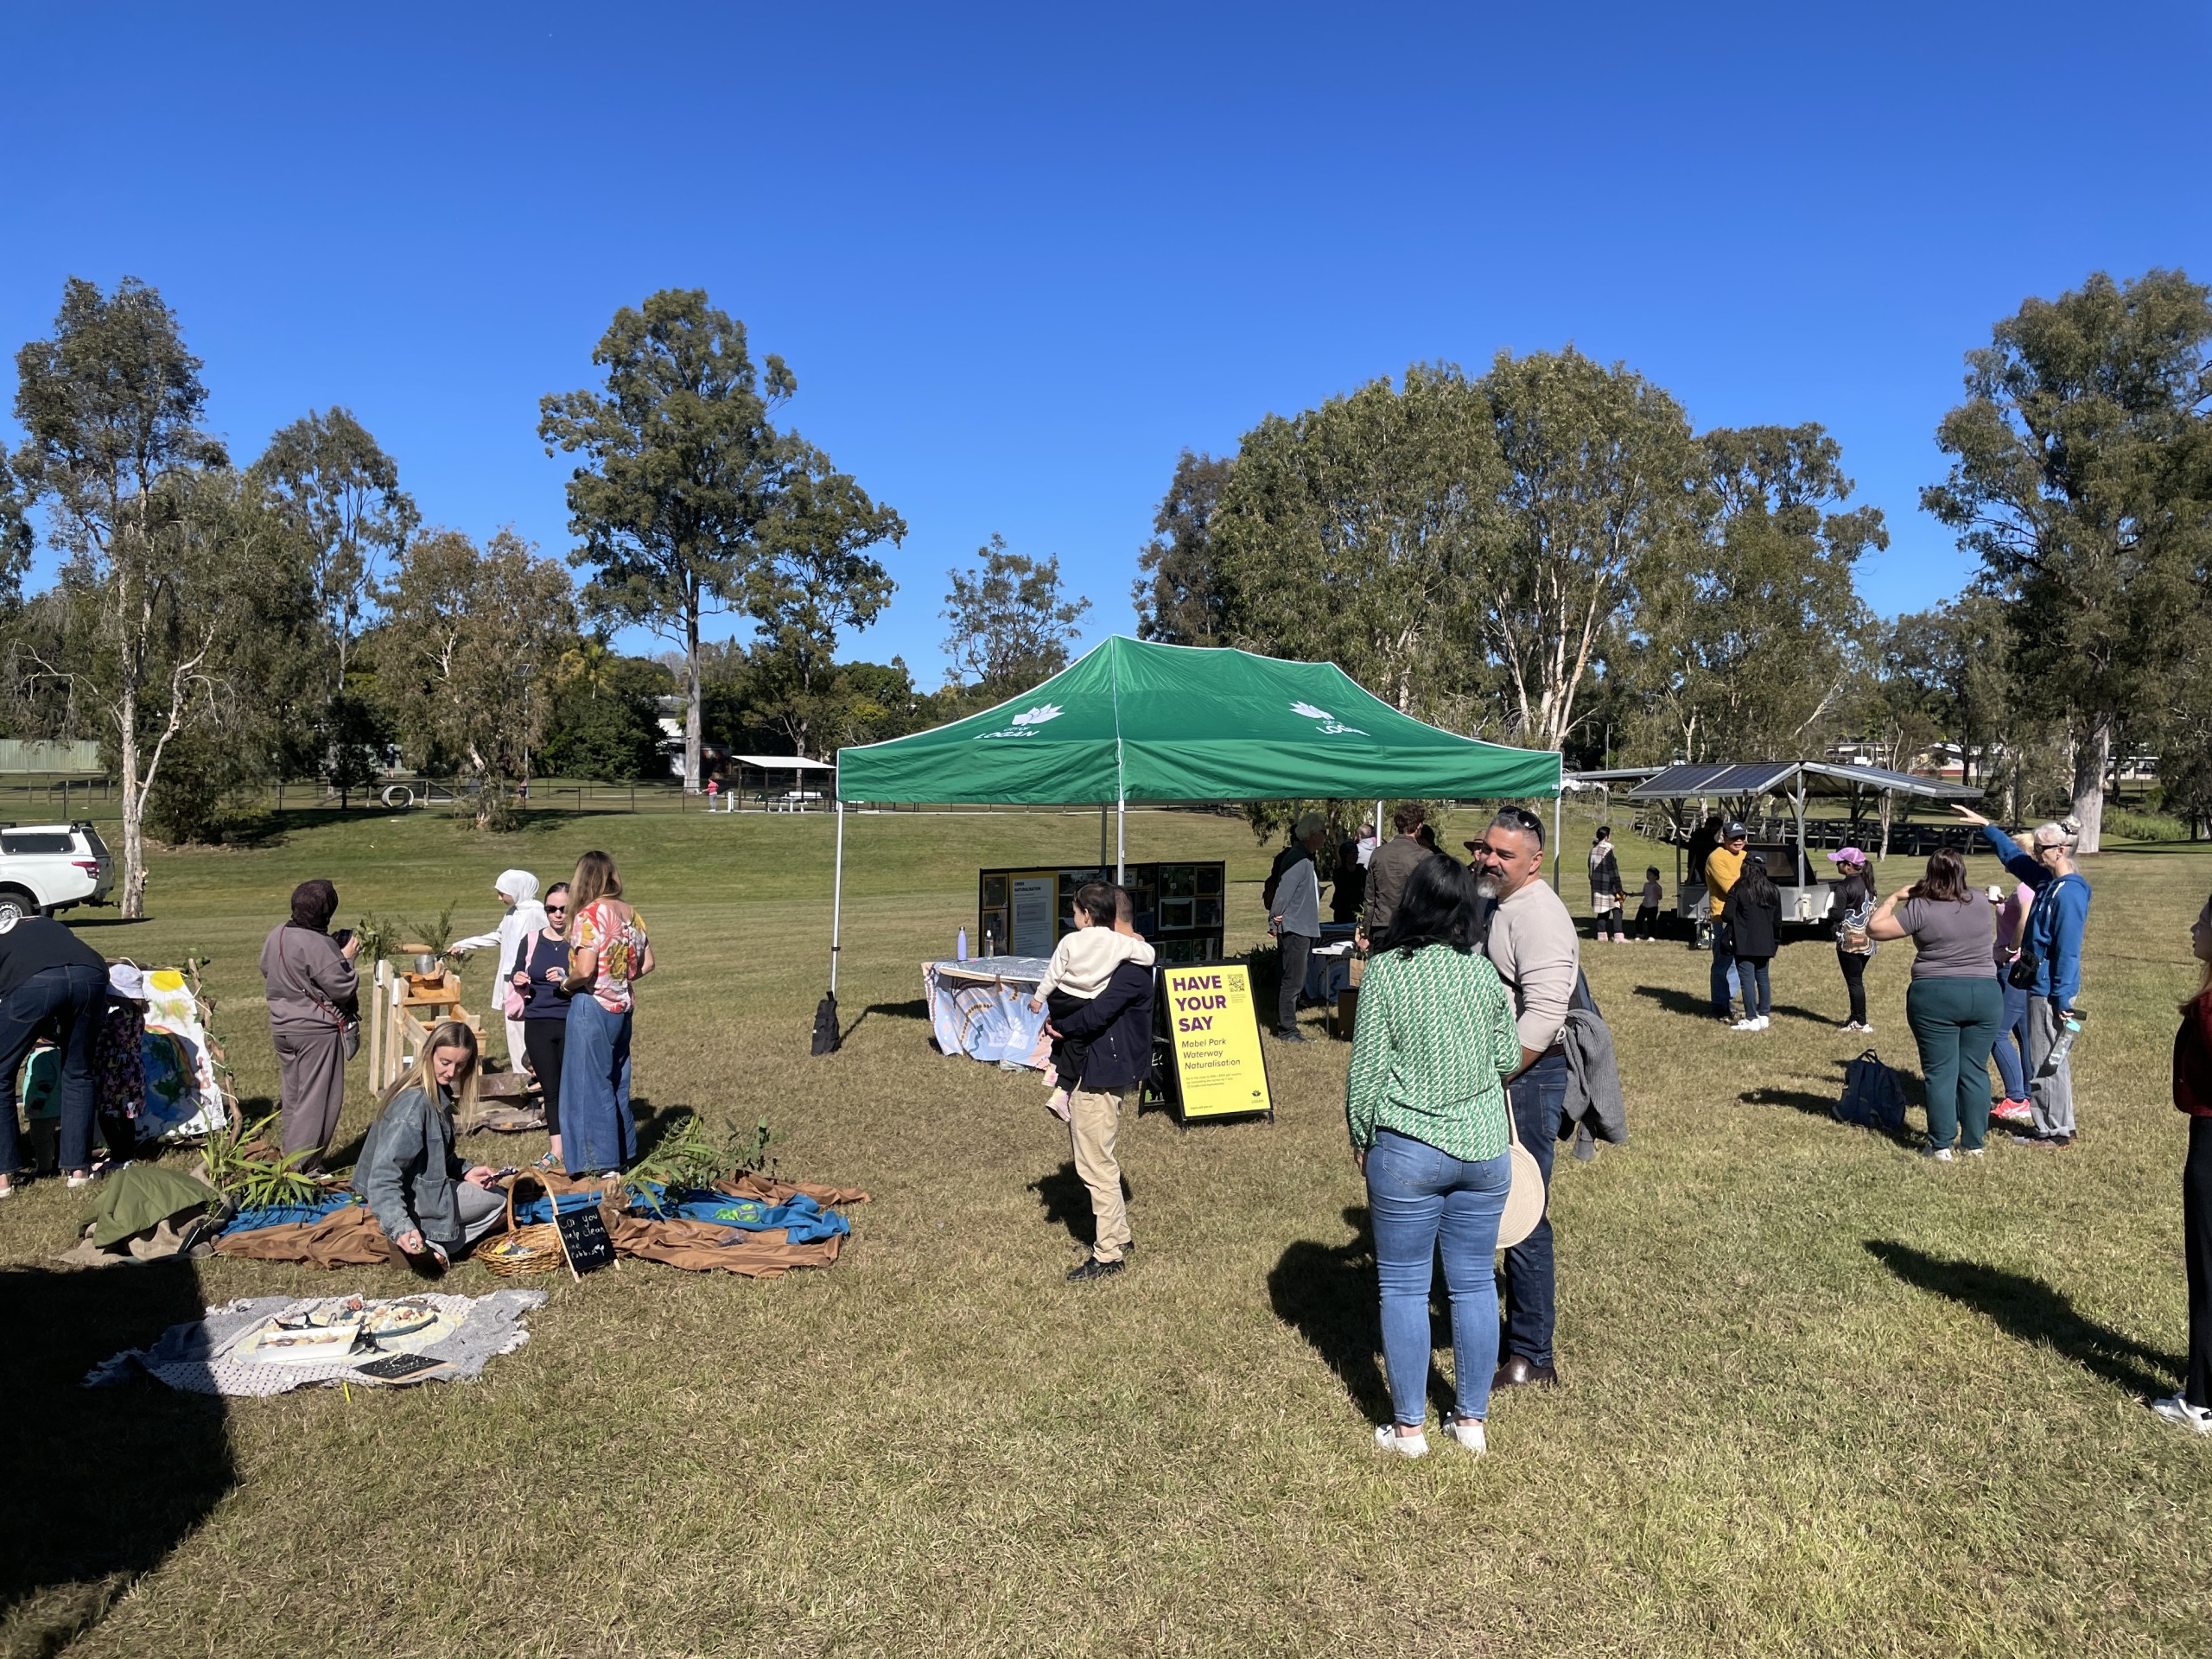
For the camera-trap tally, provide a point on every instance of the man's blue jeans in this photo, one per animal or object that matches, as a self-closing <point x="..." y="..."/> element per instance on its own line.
<point x="2011" y="1049"/>
<point x="74" y="998"/>
<point x="1724" y="974"/>
<point x="1421" y="1197"/>
<point x="1538" y="1096"/>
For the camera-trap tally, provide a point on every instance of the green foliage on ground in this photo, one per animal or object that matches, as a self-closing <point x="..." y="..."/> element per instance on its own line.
<point x="1823" y="1397"/>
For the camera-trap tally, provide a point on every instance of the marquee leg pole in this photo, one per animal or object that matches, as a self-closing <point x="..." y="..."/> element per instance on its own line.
<point x="1556" y="801"/>
<point x="1102" y="833"/>
<point x="1121" y="838"/>
<point x="827" y="1035"/>
<point x="837" y="901"/>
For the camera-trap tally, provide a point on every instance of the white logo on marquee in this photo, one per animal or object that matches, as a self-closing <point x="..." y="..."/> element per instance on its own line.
<point x="1329" y="723"/>
<point x="1026" y="723"/>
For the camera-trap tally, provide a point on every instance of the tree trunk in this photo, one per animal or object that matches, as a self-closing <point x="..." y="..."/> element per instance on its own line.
<point x="133" y="903"/>
<point x="691" y="701"/>
<point x="1889" y="807"/>
<point x="2092" y="759"/>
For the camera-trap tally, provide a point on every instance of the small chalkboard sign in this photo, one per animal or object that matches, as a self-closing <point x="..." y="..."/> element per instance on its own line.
<point x="584" y="1239"/>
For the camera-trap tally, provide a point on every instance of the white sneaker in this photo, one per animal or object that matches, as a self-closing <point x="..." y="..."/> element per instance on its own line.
<point x="1746" y="1024"/>
<point x="1941" y="1154"/>
<point x="1386" y="1439"/>
<point x="1468" y="1431"/>
<point x="2175" y="1409"/>
<point x="1764" y="1022"/>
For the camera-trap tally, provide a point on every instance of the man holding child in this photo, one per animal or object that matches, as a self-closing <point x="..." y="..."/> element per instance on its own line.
<point x="1113" y="1028"/>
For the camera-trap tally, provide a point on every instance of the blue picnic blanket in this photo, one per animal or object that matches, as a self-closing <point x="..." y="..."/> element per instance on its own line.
<point x="287" y="1215"/>
<point x="804" y="1221"/>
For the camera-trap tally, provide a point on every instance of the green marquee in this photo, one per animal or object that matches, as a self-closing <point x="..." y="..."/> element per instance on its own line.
<point x="1132" y="722"/>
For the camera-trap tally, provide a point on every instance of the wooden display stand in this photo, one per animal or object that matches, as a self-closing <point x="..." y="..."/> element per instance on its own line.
<point x="406" y="1006"/>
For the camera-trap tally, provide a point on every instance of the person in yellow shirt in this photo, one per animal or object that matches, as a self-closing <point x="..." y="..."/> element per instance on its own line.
<point x="1723" y="868"/>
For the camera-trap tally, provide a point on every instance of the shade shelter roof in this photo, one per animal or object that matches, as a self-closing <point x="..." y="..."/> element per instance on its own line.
<point x="782" y="763"/>
<point x="1132" y="720"/>
<point x="1817" y="777"/>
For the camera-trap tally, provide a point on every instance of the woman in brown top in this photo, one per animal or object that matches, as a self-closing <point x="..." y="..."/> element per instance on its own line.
<point x="313" y="992"/>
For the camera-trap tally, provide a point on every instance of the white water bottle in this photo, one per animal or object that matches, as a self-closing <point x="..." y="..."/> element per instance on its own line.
<point x="963" y="944"/>
<point x="2068" y="1029"/>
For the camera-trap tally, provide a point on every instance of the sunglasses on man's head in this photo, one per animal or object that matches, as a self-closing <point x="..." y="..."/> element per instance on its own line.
<point x="1522" y="817"/>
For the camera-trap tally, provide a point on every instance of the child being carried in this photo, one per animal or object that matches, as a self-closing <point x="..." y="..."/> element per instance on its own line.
<point x="1082" y="963"/>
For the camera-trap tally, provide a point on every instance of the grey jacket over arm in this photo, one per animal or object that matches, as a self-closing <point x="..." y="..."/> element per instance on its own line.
<point x="409" y="1172"/>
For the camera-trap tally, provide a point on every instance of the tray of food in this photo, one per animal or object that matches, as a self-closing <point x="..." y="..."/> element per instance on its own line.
<point x="322" y="1334"/>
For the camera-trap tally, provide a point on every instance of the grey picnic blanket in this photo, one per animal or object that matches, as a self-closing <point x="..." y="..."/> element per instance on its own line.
<point x="195" y="1355"/>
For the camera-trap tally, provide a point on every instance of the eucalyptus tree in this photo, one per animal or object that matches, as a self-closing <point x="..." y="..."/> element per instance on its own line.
<point x="1010" y="625"/>
<point x="1744" y="646"/>
<point x="814" y="584"/>
<point x="342" y="492"/>
<point x="1600" y="491"/>
<point x="2079" y="475"/>
<point x="467" y="655"/>
<point x="16" y="538"/>
<point x="685" y="477"/>
<point x="1178" y="595"/>
<point x="1360" y="532"/>
<point x="111" y="406"/>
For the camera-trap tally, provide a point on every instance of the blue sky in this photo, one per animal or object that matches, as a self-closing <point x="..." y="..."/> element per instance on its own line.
<point x="1019" y="258"/>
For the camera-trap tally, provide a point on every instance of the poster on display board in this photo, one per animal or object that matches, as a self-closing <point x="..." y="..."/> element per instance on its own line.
<point x="1213" y="1030"/>
<point x="1181" y="908"/>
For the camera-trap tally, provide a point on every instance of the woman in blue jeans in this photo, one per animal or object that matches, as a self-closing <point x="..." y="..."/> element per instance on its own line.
<point x="1425" y="1102"/>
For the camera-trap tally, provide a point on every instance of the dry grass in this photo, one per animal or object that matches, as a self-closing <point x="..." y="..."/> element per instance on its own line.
<point x="1823" y="1397"/>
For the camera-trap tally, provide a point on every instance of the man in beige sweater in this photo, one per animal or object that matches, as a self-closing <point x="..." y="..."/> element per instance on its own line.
<point x="1532" y="944"/>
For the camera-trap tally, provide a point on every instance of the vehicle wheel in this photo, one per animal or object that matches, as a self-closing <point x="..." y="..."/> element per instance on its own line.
<point x="15" y="905"/>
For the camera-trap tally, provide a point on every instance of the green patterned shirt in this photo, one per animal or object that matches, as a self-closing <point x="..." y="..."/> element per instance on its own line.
<point x="1434" y="1044"/>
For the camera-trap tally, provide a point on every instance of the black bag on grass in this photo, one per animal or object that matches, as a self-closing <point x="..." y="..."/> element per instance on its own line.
<point x="1874" y="1095"/>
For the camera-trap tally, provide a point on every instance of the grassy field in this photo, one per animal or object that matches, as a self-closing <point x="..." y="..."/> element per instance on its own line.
<point x="1822" y="1396"/>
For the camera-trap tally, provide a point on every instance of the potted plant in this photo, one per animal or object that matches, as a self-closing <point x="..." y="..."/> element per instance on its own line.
<point x="435" y="938"/>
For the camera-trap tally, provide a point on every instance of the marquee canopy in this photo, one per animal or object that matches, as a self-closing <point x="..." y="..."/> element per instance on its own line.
<point x="1133" y="722"/>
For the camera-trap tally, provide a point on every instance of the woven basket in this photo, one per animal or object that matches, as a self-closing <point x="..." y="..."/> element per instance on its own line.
<point x="522" y="1250"/>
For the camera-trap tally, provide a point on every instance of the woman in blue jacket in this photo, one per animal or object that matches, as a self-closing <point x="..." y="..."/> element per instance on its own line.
<point x="2050" y="965"/>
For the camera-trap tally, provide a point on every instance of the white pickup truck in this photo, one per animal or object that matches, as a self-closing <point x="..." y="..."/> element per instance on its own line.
<point x="45" y="868"/>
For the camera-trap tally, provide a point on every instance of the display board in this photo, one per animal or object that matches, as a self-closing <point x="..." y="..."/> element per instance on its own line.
<point x="1213" y="1030"/>
<point x="1181" y="908"/>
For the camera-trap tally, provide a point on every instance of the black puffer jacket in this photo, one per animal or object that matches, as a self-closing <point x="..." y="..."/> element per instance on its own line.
<point x="1117" y="1024"/>
<point x="1756" y="927"/>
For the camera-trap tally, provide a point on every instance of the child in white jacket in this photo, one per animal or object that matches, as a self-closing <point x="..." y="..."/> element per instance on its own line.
<point x="1082" y="963"/>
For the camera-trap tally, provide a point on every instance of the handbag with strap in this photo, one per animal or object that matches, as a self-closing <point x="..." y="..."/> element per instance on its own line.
<point x="1524" y="1204"/>
<point x="349" y="1025"/>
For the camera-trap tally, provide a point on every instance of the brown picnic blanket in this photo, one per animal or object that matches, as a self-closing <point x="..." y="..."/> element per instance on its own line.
<point x="351" y="1237"/>
<point x="345" y="1238"/>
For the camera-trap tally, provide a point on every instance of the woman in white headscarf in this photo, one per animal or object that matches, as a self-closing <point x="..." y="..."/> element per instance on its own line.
<point x="518" y="890"/>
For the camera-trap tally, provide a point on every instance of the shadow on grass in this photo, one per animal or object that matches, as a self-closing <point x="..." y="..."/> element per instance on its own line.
<point x="1802" y="1100"/>
<point x="916" y="1010"/>
<point x="1676" y="1002"/>
<point x="1791" y="1011"/>
<point x="2032" y="1311"/>
<point x="1067" y="1201"/>
<point x="103" y="1483"/>
<point x="1328" y="1292"/>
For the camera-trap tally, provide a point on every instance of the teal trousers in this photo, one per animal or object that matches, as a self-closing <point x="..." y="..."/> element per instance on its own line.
<point x="1955" y="1022"/>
